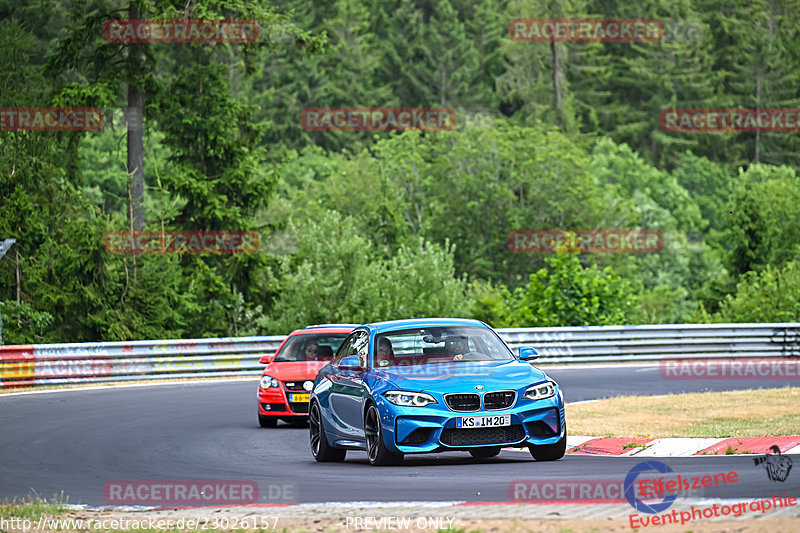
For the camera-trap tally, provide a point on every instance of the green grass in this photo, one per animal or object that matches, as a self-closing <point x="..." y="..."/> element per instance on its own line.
<point x="706" y="414"/>
<point x="34" y="507"/>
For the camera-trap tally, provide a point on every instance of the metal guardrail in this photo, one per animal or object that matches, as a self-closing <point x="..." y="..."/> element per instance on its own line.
<point x="58" y="364"/>
<point x="617" y="344"/>
<point x="97" y="362"/>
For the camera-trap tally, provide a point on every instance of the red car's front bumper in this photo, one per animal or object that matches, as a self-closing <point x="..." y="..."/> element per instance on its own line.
<point x="275" y="402"/>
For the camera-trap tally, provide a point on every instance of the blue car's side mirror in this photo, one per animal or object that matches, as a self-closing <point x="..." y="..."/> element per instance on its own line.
<point x="526" y="353"/>
<point x="350" y="362"/>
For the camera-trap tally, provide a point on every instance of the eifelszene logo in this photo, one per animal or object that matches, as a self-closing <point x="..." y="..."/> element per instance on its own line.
<point x="630" y="495"/>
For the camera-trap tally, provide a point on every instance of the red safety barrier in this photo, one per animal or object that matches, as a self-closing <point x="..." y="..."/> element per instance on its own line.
<point x="17" y="362"/>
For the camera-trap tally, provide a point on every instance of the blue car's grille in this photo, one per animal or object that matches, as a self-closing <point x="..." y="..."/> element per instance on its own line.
<point x="499" y="400"/>
<point x="482" y="436"/>
<point x="463" y="402"/>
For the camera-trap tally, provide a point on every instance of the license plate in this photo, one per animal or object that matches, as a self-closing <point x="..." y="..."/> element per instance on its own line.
<point x="492" y="421"/>
<point x="299" y="397"/>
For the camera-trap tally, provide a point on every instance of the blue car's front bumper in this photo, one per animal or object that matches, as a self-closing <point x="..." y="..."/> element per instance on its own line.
<point x="433" y="428"/>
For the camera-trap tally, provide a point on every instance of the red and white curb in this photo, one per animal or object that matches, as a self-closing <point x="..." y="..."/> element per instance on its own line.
<point x="677" y="447"/>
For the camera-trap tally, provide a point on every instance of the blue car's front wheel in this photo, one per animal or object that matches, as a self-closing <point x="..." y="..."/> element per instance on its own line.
<point x="550" y="452"/>
<point x="377" y="453"/>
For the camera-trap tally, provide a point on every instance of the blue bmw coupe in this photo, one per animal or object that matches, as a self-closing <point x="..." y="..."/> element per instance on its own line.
<point x="431" y="385"/>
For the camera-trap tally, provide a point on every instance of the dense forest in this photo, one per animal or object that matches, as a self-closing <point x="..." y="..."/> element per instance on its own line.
<point x="359" y="226"/>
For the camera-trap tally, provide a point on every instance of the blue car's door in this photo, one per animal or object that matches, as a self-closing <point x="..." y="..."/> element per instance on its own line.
<point x="347" y="390"/>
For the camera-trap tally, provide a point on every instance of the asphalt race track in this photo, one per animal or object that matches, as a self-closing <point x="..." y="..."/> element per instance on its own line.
<point x="76" y="441"/>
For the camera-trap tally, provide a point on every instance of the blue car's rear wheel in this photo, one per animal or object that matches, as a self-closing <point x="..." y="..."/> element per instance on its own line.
<point x="320" y="449"/>
<point x="377" y="453"/>
<point x="550" y="452"/>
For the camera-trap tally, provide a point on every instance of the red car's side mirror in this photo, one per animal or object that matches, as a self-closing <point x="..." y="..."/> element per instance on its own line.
<point x="266" y="359"/>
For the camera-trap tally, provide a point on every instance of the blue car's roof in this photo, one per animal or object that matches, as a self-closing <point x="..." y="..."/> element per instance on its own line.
<point x="390" y="325"/>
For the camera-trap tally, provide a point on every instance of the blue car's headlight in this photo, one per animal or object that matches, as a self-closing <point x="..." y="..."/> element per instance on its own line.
<point x="409" y="399"/>
<point x="267" y="382"/>
<point x="540" y="391"/>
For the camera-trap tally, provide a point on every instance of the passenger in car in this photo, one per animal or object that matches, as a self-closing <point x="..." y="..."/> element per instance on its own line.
<point x="312" y="352"/>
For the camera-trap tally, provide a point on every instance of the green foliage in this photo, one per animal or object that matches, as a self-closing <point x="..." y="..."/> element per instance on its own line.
<point x="618" y="164"/>
<point x="333" y="275"/>
<point x="491" y="304"/>
<point x="572" y="295"/>
<point x="764" y="221"/>
<point x="709" y="186"/>
<point x="772" y="295"/>
<point x="23" y="325"/>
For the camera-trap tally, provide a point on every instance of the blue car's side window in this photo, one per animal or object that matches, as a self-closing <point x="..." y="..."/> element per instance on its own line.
<point x="355" y="345"/>
<point x="360" y="347"/>
<point x="344" y="350"/>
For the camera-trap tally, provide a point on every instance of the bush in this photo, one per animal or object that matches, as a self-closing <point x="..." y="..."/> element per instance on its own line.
<point x="571" y="295"/>
<point x="772" y="295"/>
<point x="21" y="324"/>
<point x="335" y="275"/>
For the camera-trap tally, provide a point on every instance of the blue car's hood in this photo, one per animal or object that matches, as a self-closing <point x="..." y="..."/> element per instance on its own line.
<point x="463" y="376"/>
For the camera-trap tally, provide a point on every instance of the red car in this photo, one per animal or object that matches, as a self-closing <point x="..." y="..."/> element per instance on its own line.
<point x="285" y="386"/>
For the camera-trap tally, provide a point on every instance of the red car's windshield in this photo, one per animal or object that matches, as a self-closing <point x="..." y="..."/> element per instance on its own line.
<point x="310" y="347"/>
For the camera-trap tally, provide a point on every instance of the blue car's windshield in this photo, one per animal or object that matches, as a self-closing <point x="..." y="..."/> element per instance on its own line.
<point x="419" y="346"/>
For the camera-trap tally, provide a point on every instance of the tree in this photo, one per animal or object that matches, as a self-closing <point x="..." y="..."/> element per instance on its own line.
<point x="763" y="225"/>
<point x="333" y="275"/>
<point x="772" y="295"/>
<point x="758" y="72"/>
<point x="568" y="294"/>
<point x="429" y="54"/>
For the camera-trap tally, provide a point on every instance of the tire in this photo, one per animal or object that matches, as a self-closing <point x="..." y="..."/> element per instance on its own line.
<point x="267" y="421"/>
<point x="320" y="449"/>
<point x="377" y="453"/>
<point x="485" y="453"/>
<point x="550" y="452"/>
